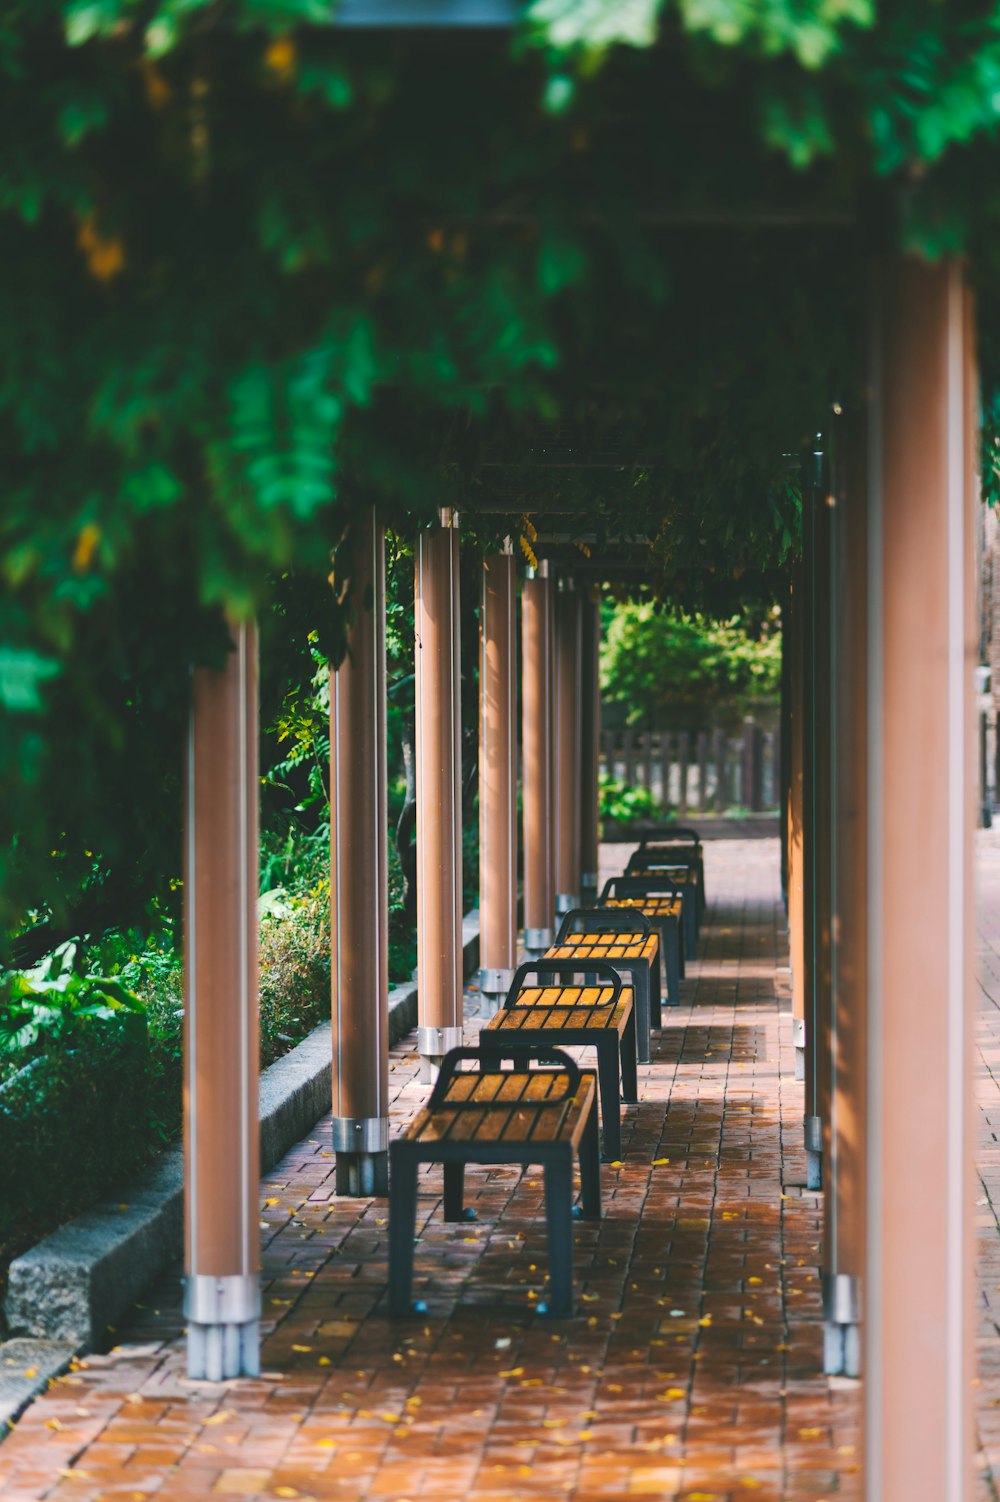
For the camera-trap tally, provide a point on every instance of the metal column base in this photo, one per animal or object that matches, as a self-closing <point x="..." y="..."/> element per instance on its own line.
<point x="362" y="1175"/>
<point x="223" y="1315"/>
<point x="841" y="1350"/>
<point x="842" y="1325"/>
<point x="566" y="902"/>
<point x="216" y="1353"/>
<point x="493" y="987"/>
<point x="813" y="1134"/>
<point x="433" y="1043"/>
<point x="799" y="1040"/>
<point x="537" y="940"/>
<point x="588" y="888"/>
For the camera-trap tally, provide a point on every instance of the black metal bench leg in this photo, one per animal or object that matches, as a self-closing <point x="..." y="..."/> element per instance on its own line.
<point x="630" y="1075"/>
<point x="689" y="911"/>
<point x="656" y="989"/>
<point x="590" y="1168"/>
<point x="674" y="960"/>
<point x="402" y="1231"/>
<point x="559" y="1219"/>
<point x="640" y="982"/>
<point x="607" y="1079"/>
<point x="454" y="1193"/>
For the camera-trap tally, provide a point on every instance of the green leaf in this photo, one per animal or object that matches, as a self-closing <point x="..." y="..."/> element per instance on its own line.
<point x="22" y="673"/>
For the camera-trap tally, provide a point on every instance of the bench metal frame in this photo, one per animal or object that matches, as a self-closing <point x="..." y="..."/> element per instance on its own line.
<point x="614" y="1051"/>
<point x="555" y="1156"/>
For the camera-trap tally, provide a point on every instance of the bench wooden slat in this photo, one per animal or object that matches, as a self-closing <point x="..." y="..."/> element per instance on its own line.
<point x="513" y="1119"/>
<point x="567" y="996"/>
<point x="589" y="1017"/>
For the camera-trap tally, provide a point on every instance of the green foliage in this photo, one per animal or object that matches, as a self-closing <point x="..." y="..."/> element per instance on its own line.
<point x="294" y="972"/>
<point x="256" y="277"/>
<point x="663" y="667"/>
<point x="621" y="804"/>
<point x="70" y="1125"/>
<point x="51" y="1004"/>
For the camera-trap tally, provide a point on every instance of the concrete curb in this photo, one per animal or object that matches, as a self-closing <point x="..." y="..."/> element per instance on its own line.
<point x="26" y="1369"/>
<point x="64" y="1292"/>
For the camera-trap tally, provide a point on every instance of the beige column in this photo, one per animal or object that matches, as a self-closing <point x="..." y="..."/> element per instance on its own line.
<point x="590" y="743"/>
<point x="567" y="760"/>
<point x="498" y="775"/>
<point x="439" y="804"/>
<point x="359" y="901"/>
<point x="796" y="816"/>
<point x="844" y="1122"/>
<point x="536" y="711"/>
<point x="920" y="1246"/>
<point x="221" y="1154"/>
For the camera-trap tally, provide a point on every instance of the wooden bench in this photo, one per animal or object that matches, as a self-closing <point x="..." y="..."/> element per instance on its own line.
<point x="599" y="1016"/>
<point x="678" y="838"/>
<point x="684" y="877"/>
<point x="664" y="910"/>
<point x="495" y="1115"/>
<point x="628" y="941"/>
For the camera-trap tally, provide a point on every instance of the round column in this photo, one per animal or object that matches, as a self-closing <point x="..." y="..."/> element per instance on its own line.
<point x="498" y="775"/>
<point x="439" y="803"/>
<point x="567" y="759"/>
<point x="359" y="886"/>
<point x="590" y="743"/>
<point x="221" y="1134"/>
<point x="536" y="710"/>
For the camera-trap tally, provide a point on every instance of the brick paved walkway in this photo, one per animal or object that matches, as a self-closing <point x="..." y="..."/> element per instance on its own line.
<point x="691" y="1370"/>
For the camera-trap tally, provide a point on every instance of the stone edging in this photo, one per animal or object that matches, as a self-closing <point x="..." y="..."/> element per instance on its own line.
<point x="64" y="1292"/>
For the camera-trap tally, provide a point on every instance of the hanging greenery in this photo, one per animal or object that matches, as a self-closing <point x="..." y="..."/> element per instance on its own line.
<point x="259" y="271"/>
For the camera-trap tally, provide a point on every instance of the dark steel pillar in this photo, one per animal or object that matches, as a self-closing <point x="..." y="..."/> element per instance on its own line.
<point x="844" y="1126"/>
<point x="566" y="765"/>
<point x="536" y="709"/>
<point x="590" y="744"/>
<point x="797" y="813"/>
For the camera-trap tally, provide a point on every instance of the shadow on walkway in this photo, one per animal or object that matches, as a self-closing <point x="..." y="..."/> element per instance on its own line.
<point x="691" y="1368"/>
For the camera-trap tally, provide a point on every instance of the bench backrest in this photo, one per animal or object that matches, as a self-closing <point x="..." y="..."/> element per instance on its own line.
<point x="672" y="833"/>
<point x="547" y="970"/>
<point x="487" y="1060"/>
<point x="640" y="886"/>
<point x="587" y="920"/>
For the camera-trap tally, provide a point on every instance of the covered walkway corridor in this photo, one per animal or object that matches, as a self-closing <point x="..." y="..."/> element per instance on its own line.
<point x="692" y="1368"/>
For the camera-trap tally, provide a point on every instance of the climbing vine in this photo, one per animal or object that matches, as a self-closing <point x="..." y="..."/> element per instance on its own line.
<point x="259" y="271"/>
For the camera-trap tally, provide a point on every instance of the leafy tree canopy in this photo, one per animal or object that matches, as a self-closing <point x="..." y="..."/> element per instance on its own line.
<point x="259" y="271"/>
<point x="672" y="670"/>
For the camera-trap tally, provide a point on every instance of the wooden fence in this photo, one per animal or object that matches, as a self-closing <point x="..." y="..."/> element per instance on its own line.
<point x="707" y="772"/>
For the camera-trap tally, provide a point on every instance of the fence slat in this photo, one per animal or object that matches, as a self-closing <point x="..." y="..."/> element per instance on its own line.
<point x="628" y="757"/>
<point x="683" y="754"/>
<point x="720" y="745"/>
<point x="665" y="760"/>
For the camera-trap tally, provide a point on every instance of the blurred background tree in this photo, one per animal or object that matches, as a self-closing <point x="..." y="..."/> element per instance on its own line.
<point x="667" y="669"/>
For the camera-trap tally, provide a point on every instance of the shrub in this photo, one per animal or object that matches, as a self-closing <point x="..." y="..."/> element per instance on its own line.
<point x="622" y="804"/>
<point x="294" y="971"/>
